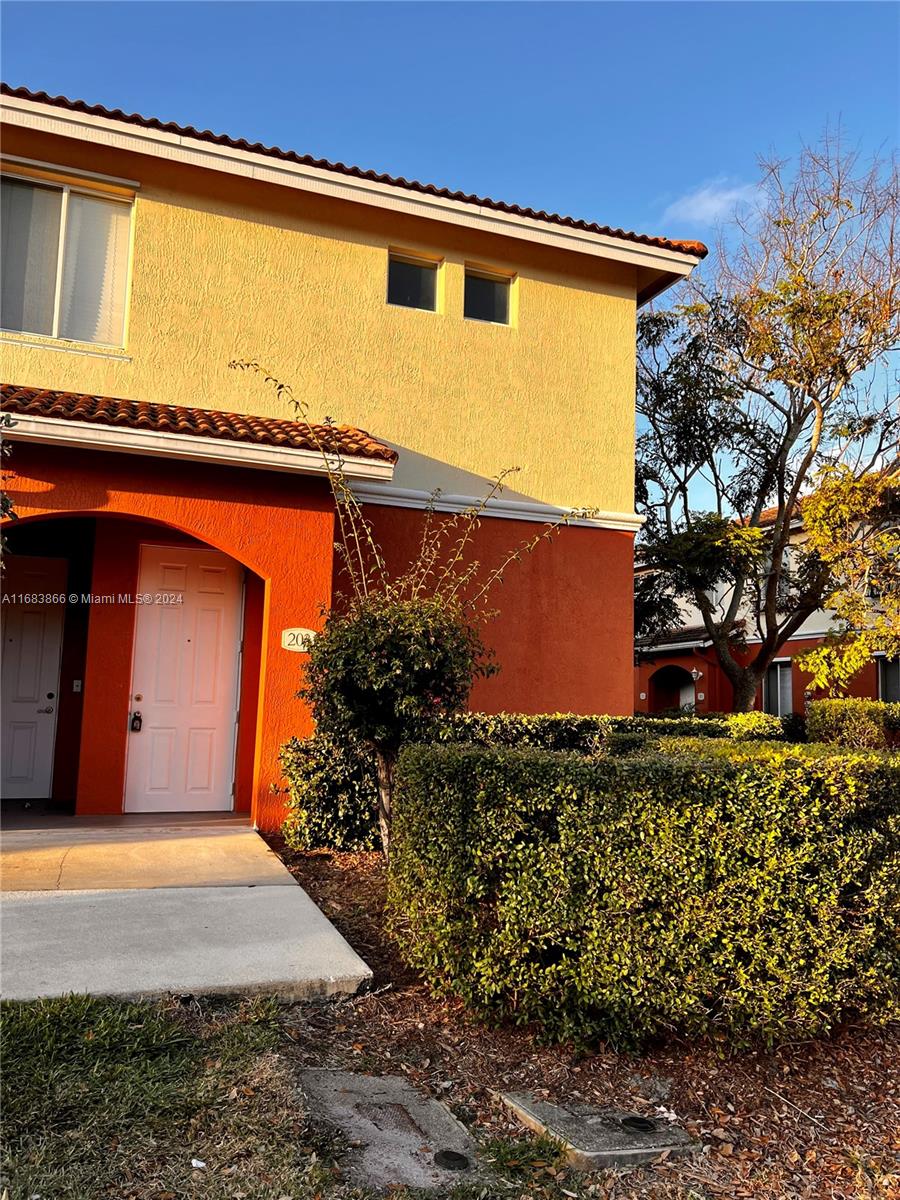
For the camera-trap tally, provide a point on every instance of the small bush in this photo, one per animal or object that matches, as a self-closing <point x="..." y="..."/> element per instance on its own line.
<point x="754" y="727"/>
<point x="753" y="890"/>
<point x="333" y="799"/>
<point x="855" y="724"/>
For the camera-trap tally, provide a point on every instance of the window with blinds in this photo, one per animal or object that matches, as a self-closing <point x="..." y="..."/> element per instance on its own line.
<point x="65" y="262"/>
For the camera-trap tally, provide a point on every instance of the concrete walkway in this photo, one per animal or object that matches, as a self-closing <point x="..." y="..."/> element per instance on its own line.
<point x="126" y="906"/>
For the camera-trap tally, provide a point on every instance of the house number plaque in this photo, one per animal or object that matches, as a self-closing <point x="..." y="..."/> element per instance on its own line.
<point x="297" y="639"/>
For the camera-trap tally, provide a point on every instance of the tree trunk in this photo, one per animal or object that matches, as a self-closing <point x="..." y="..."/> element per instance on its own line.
<point x="745" y="690"/>
<point x="384" y="769"/>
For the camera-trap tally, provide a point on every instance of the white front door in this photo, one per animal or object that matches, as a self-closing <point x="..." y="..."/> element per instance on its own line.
<point x="184" y="685"/>
<point x="32" y="645"/>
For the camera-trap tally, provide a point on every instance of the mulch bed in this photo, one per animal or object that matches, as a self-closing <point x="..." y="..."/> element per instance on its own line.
<point x="817" y="1120"/>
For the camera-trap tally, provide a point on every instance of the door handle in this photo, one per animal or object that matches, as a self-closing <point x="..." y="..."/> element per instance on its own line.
<point x="49" y="709"/>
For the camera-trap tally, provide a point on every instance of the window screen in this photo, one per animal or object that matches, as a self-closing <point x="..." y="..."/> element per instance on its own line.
<point x="487" y="298"/>
<point x="95" y="270"/>
<point x="412" y="284"/>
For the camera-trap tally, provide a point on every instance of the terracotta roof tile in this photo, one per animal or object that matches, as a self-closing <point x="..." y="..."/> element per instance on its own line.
<point x="696" y="249"/>
<point x="197" y="422"/>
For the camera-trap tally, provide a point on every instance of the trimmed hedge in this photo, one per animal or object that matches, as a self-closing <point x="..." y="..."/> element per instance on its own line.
<point x="586" y="734"/>
<point x="754" y="891"/>
<point x="332" y="788"/>
<point x="857" y="724"/>
<point x="331" y="796"/>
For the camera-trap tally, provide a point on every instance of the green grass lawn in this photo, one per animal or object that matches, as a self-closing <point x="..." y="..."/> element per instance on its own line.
<point x="113" y="1099"/>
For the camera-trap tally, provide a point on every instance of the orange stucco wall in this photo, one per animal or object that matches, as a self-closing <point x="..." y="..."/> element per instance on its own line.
<point x="562" y="632"/>
<point x="279" y="526"/>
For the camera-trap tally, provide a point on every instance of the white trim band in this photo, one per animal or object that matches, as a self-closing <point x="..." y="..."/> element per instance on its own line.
<point x="88" y="436"/>
<point x="499" y="506"/>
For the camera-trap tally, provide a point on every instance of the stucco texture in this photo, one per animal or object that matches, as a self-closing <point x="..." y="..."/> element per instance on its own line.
<point x="225" y="268"/>
<point x="280" y="528"/>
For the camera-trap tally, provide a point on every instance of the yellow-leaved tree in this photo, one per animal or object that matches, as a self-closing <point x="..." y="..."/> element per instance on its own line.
<point x="852" y="525"/>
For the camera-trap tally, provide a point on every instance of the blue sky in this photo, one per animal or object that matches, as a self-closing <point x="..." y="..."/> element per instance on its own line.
<point x="647" y="115"/>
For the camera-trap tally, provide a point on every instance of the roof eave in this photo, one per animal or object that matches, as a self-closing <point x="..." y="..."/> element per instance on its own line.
<point x="87" y="435"/>
<point x="658" y="282"/>
<point x="172" y="147"/>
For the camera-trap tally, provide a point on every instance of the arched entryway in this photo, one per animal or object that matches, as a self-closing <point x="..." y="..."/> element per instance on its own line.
<point x="131" y="668"/>
<point x="671" y="687"/>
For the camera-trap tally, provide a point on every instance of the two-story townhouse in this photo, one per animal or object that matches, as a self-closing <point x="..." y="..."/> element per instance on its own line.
<point x="182" y="515"/>
<point x="680" y="669"/>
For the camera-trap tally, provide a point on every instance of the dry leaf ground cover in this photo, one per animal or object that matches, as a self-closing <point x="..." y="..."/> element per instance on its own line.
<point x="816" y="1119"/>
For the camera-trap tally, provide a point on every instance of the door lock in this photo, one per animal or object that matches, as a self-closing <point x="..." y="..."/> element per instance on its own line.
<point x="136" y="722"/>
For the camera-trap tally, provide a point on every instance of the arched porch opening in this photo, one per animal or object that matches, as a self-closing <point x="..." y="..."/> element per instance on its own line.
<point x="132" y="668"/>
<point x="671" y="687"/>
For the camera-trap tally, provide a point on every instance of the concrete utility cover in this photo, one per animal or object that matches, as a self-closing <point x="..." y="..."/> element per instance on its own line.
<point x="595" y="1138"/>
<point x="397" y="1136"/>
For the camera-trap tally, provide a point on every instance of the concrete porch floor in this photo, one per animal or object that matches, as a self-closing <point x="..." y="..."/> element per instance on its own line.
<point x="136" y="851"/>
<point x="167" y="903"/>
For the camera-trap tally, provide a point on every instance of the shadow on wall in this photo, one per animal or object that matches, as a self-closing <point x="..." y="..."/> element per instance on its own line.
<point x="420" y="474"/>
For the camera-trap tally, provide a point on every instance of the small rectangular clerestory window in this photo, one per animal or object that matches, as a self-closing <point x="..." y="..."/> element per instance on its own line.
<point x="65" y="261"/>
<point x="412" y="282"/>
<point x="486" y="297"/>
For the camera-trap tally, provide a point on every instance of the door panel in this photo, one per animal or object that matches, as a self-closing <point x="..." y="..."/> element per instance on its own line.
<point x="184" y="682"/>
<point x="32" y="648"/>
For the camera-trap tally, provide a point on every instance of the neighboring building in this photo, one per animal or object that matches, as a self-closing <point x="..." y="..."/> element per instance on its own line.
<point x="681" y="669"/>
<point x="468" y="335"/>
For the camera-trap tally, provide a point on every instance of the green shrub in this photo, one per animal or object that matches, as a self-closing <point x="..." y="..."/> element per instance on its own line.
<point x="586" y="734"/>
<point x="754" y="727"/>
<point x="333" y="799"/>
<point x="546" y="731"/>
<point x="332" y="802"/>
<point x="752" y="891"/>
<point x="625" y="741"/>
<point x="856" y="724"/>
<point x="772" y="752"/>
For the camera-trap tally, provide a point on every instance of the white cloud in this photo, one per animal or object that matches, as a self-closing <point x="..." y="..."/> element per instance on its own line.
<point x="710" y="202"/>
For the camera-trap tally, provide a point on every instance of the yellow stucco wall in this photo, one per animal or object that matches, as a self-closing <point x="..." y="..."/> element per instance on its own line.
<point x="225" y="268"/>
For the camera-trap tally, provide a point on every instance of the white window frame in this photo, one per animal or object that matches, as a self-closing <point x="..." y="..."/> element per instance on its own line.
<point x="39" y="180"/>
